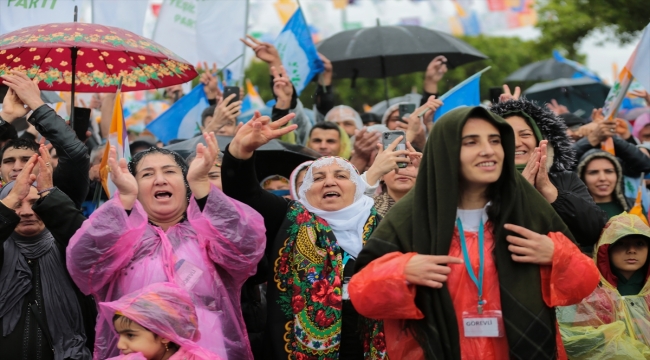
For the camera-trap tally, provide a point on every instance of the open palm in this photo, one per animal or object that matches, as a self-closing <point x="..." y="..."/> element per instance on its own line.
<point x="257" y="132"/>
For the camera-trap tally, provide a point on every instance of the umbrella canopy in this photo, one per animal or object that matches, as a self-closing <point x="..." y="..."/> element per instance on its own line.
<point x="550" y="69"/>
<point x="576" y="94"/>
<point x="104" y="54"/>
<point x="274" y="158"/>
<point x="382" y="51"/>
<point x="380" y="107"/>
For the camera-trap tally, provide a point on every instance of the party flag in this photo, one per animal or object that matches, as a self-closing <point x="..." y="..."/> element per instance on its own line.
<point x="252" y="100"/>
<point x="298" y="52"/>
<point x="642" y="202"/>
<point x="581" y="70"/>
<point x="181" y="119"/>
<point x="117" y="137"/>
<point x="464" y="94"/>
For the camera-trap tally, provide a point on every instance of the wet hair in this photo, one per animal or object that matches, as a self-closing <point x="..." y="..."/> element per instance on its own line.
<point x="325" y="125"/>
<point x="19" y="143"/>
<point x="126" y="322"/>
<point x="133" y="164"/>
<point x="209" y="111"/>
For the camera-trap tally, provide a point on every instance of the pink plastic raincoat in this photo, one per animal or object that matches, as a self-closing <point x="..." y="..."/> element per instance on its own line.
<point x="211" y="254"/>
<point x="167" y="311"/>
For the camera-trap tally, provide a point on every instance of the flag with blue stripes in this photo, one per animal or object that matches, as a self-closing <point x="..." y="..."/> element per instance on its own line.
<point x="182" y="119"/>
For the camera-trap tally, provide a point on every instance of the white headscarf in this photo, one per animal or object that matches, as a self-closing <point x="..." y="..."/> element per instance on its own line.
<point x="347" y="223"/>
<point x="340" y="113"/>
<point x="294" y="177"/>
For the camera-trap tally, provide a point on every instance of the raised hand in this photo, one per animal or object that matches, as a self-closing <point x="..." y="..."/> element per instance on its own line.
<point x="210" y="81"/>
<point x="26" y="88"/>
<point x="542" y="183"/>
<point x="386" y="161"/>
<point x="206" y="157"/>
<point x="556" y="108"/>
<point x="507" y="95"/>
<point x="532" y="167"/>
<point x="282" y="87"/>
<point x="123" y="180"/>
<point x="531" y="247"/>
<point x="326" y="78"/>
<point x="428" y="110"/>
<point x="22" y="185"/>
<point x="224" y="114"/>
<point x="429" y="270"/>
<point x="257" y="132"/>
<point x="264" y="51"/>
<point x="436" y="69"/>
<point x="45" y="170"/>
<point x="12" y="107"/>
<point x="415" y="156"/>
<point x="642" y="94"/>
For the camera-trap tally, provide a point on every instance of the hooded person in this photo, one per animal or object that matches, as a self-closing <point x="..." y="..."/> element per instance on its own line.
<point x="641" y="128"/>
<point x="391" y="116"/>
<point x="614" y="321"/>
<point x="470" y="202"/>
<point x="312" y="244"/>
<point x="297" y="177"/>
<point x="603" y="175"/>
<point x="166" y="311"/>
<point x="345" y="117"/>
<point x="560" y="187"/>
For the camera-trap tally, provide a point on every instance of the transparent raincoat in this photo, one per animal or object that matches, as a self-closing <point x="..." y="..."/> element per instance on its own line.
<point x="211" y="254"/>
<point x="606" y="325"/>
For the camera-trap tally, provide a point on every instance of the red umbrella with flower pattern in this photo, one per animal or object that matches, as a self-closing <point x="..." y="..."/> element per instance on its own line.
<point x="99" y="55"/>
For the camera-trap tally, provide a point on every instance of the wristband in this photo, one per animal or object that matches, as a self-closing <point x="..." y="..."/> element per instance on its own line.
<point x="46" y="190"/>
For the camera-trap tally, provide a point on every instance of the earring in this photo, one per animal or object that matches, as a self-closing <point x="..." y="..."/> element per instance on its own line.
<point x="166" y="347"/>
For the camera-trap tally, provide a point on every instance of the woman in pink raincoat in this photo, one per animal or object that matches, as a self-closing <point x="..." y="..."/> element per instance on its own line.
<point x="157" y="323"/>
<point x="151" y="232"/>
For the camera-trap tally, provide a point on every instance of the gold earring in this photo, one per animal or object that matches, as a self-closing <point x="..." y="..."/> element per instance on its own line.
<point x="166" y="347"/>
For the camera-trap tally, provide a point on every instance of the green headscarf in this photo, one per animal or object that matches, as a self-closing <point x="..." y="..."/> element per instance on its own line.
<point x="533" y="125"/>
<point x="424" y="221"/>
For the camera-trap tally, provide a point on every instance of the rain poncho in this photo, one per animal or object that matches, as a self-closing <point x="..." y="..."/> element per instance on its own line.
<point x="167" y="311"/>
<point x="606" y="325"/>
<point x="341" y="113"/>
<point x="211" y="254"/>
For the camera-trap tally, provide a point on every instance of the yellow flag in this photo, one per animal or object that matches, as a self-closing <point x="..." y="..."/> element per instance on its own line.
<point x="637" y="209"/>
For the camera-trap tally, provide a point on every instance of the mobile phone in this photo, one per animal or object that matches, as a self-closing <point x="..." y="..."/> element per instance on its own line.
<point x="229" y="90"/>
<point x="81" y="122"/>
<point x="389" y="136"/>
<point x="405" y="110"/>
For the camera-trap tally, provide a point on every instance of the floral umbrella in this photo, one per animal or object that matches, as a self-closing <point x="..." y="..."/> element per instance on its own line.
<point x="104" y="54"/>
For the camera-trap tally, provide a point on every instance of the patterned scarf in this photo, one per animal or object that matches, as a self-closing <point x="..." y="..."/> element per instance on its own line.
<point x="309" y="276"/>
<point x="383" y="203"/>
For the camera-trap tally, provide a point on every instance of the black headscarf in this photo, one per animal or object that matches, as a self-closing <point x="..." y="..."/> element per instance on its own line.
<point x="424" y="221"/>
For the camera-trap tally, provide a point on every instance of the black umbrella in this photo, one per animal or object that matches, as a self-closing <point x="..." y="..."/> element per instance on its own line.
<point x="274" y="158"/>
<point x="581" y="93"/>
<point x="550" y="69"/>
<point x="382" y="51"/>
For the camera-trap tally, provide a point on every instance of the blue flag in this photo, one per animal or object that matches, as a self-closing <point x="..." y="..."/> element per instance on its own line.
<point x="581" y="70"/>
<point x="298" y="52"/>
<point x="181" y="120"/>
<point x="466" y="93"/>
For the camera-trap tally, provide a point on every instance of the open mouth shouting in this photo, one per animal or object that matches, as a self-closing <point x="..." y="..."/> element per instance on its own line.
<point x="331" y="195"/>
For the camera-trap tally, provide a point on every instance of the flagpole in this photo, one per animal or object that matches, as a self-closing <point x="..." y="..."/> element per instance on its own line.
<point x="243" y="57"/>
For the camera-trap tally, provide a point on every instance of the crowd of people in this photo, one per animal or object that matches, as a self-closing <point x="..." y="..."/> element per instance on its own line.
<point x="497" y="231"/>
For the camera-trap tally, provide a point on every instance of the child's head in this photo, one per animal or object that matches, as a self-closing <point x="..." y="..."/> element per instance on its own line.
<point x="156" y="321"/>
<point x="629" y="254"/>
<point x="135" y="338"/>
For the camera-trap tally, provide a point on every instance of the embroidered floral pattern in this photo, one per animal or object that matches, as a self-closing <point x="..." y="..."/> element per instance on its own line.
<point x="310" y="291"/>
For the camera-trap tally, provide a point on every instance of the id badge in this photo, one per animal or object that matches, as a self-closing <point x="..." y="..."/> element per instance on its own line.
<point x="188" y="273"/>
<point x="487" y="324"/>
<point x="344" y="289"/>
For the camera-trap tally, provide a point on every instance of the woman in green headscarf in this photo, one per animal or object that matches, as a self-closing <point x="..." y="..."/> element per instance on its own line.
<point x="470" y="203"/>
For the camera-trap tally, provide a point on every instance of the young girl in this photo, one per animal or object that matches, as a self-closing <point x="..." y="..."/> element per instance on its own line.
<point x="614" y="321"/>
<point x="158" y="322"/>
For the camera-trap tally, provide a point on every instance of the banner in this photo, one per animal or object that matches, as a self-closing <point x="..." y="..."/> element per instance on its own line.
<point x="119" y="13"/>
<point x="17" y="14"/>
<point x="220" y="25"/>
<point x="176" y="28"/>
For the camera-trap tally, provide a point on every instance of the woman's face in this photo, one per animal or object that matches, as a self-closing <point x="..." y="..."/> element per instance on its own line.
<point x="332" y="188"/>
<point x="393" y="120"/>
<point x="481" y="153"/>
<point x="401" y="181"/>
<point x="299" y="180"/>
<point x="161" y="187"/>
<point x="601" y="180"/>
<point x="214" y="176"/>
<point x="525" y="141"/>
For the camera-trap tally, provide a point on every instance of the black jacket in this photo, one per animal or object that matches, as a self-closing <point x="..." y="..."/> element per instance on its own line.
<point x="62" y="219"/>
<point x="71" y="175"/>
<point x="633" y="161"/>
<point x="574" y="204"/>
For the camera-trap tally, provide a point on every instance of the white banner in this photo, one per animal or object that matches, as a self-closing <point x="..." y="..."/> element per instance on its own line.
<point x="128" y="15"/>
<point x="176" y="28"/>
<point x="16" y="14"/>
<point x="220" y="25"/>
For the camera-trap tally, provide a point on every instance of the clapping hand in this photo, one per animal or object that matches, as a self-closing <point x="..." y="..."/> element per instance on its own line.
<point x="45" y="170"/>
<point x="206" y="157"/>
<point x="123" y="179"/>
<point x="22" y="185"/>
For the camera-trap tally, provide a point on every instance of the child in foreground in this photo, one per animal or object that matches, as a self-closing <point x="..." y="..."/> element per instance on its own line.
<point x="158" y="322"/>
<point x="614" y="321"/>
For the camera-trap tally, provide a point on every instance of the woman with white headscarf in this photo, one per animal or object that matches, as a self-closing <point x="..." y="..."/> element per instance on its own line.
<point x="312" y="244"/>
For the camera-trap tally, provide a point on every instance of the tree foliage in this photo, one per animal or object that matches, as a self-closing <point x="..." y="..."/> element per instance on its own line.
<point x="505" y="56"/>
<point x="564" y="23"/>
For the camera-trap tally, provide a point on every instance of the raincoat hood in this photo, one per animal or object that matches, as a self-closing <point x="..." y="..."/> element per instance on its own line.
<point x="294" y="177"/>
<point x="641" y="122"/>
<point x="390" y="110"/>
<point x="551" y="126"/>
<point x="617" y="228"/>
<point x="341" y="113"/>
<point x="589" y="156"/>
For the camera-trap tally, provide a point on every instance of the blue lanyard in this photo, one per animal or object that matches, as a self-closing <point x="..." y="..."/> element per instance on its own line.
<point x="478" y="282"/>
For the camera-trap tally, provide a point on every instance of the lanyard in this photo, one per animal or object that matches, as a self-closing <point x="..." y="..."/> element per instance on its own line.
<point x="478" y="282"/>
